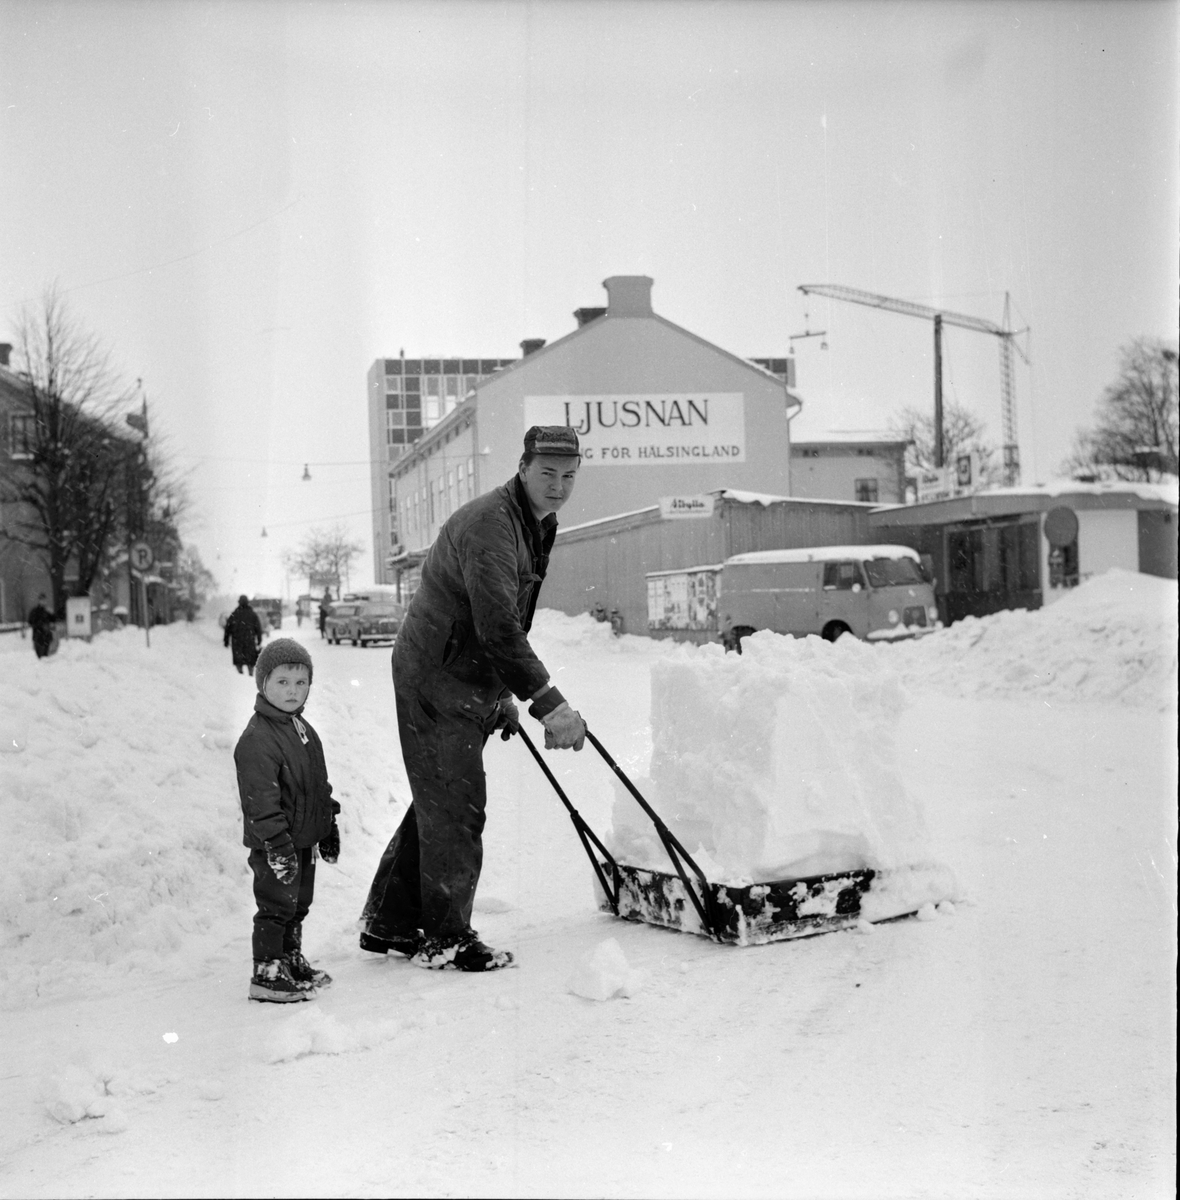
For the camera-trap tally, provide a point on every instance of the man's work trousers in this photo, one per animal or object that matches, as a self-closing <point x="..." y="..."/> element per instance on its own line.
<point x="278" y="923"/>
<point x="428" y="874"/>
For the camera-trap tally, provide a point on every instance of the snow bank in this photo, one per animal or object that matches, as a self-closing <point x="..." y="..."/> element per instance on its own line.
<point x="1111" y="639"/>
<point x="777" y="763"/>
<point x="119" y="805"/>
<point x="122" y="843"/>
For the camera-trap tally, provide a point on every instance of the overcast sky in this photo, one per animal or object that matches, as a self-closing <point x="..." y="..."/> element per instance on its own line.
<point x="250" y="201"/>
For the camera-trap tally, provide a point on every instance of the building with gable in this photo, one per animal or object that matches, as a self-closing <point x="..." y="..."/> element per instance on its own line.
<point x="659" y="411"/>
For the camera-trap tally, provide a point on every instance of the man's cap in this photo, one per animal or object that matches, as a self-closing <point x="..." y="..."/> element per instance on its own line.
<point x="275" y="654"/>
<point x="552" y="439"/>
<point x="243" y="600"/>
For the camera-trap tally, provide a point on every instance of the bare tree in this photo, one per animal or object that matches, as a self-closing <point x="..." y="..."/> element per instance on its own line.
<point x="324" y="552"/>
<point x="962" y="433"/>
<point x="1135" y="431"/>
<point x="69" y="491"/>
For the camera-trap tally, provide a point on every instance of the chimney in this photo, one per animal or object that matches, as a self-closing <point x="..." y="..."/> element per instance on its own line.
<point x="5" y="351"/>
<point x="628" y="296"/>
<point x="531" y="346"/>
<point x="584" y="316"/>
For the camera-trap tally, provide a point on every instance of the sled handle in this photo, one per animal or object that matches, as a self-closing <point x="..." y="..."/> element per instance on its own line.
<point x="585" y="833"/>
<point x="675" y="850"/>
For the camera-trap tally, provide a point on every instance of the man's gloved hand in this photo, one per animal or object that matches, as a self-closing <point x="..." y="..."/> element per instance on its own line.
<point x="283" y="861"/>
<point x="507" y="719"/>
<point x="564" y="728"/>
<point x="330" y="844"/>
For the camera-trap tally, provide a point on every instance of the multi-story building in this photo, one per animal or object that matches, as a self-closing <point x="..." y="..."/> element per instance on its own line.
<point x="408" y="397"/>
<point x="444" y="430"/>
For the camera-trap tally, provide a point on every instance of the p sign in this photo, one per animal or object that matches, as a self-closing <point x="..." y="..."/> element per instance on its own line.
<point x="141" y="556"/>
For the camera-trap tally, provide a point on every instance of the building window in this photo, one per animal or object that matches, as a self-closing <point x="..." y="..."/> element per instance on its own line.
<point x="809" y="452"/>
<point x="866" y="491"/>
<point x="393" y="384"/>
<point x="864" y="452"/>
<point x="22" y="435"/>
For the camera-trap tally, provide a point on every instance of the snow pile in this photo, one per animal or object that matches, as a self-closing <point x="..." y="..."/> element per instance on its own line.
<point x="776" y="764"/>
<point x="312" y="1031"/>
<point x="123" y="844"/>
<point x="118" y="798"/>
<point x="1112" y="638"/>
<point x="604" y="973"/>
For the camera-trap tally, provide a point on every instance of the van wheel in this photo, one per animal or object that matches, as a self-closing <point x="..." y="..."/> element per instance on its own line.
<point x="834" y="630"/>
<point x="732" y="638"/>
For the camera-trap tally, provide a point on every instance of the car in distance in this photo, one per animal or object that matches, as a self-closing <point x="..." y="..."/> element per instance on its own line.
<point x="336" y="622"/>
<point x="269" y="610"/>
<point x="374" y="621"/>
<point x="363" y="621"/>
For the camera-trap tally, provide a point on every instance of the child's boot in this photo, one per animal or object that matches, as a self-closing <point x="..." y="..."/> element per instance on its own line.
<point x="274" y="982"/>
<point x="303" y="972"/>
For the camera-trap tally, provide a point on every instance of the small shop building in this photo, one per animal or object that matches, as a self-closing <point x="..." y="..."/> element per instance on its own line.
<point x="602" y="566"/>
<point x="1025" y="547"/>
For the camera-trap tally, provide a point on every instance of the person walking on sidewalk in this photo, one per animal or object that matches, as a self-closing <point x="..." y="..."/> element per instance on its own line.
<point x="42" y="624"/>
<point x="461" y="654"/>
<point x="244" y="630"/>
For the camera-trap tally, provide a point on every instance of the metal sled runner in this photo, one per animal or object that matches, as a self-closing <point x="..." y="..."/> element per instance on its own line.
<point x="685" y="900"/>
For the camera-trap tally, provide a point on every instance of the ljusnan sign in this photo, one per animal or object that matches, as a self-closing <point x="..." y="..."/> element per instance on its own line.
<point x="665" y="429"/>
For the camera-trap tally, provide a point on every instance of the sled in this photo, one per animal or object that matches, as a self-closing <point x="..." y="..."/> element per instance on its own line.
<point x="683" y="899"/>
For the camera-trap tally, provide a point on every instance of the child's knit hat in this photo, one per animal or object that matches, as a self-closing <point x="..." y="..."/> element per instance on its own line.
<point x="275" y="654"/>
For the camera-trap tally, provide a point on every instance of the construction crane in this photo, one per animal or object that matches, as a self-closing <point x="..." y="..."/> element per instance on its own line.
<point x="940" y="317"/>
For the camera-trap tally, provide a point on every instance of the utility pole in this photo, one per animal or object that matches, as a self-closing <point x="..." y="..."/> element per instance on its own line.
<point x="1005" y="333"/>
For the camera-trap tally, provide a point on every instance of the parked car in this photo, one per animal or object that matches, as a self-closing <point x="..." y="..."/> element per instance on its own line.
<point x="374" y="621"/>
<point x="269" y="609"/>
<point x="873" y="592"/>
<point x="336" y="623"/>
<point x="363" y="621"/>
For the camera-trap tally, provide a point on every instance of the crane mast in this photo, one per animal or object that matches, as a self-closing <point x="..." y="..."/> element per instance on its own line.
<point x="1007" y="339"/>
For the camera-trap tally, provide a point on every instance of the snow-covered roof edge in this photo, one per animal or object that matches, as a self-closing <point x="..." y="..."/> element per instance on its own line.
<point x="822" y="554"/>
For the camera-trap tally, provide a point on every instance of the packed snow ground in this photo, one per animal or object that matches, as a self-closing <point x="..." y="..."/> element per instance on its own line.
<point x="1021" y="1045"/>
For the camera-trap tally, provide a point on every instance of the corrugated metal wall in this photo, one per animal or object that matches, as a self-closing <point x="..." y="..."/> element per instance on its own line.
<point x="607" y="563"/>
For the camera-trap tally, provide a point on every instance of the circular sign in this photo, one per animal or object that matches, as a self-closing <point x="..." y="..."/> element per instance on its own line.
<point x="1061" y="526"/>
<point x="141" y="556"/>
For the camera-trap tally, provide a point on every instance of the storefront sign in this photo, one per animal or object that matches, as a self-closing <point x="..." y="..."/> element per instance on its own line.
<point x="686" y="506"/>
<point x="936" y="485"/>
<point x="666" y="429"/>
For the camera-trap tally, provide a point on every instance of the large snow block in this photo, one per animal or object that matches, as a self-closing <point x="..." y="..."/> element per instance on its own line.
<point x="776" y="764"/>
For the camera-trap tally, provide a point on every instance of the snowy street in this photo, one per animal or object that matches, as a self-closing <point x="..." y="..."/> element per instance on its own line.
<point x="1019" y="1045"/>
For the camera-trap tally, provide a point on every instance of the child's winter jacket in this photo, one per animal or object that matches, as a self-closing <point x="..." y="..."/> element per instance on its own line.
<point x="283" y="781"/>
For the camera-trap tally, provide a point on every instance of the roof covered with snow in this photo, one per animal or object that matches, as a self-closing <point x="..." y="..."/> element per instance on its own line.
<point x="820" y="554"/>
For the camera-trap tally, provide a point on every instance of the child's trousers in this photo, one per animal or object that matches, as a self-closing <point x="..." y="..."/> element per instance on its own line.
<point x="278" y="923"/>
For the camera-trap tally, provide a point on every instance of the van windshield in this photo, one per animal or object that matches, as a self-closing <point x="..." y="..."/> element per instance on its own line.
<point x="891" y="572"/>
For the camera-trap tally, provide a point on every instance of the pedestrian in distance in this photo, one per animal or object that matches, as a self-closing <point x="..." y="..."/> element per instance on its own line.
<point x="289" y="817"/>
<point x="325" y="608"/>
<point x="461" y="654"/>
<point x="243" y="632"/>
<point x="43" y="625"/>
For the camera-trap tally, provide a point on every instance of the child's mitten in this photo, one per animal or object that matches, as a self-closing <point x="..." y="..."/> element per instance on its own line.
<point x="330" y="845"/>
<point x="283" y="861"/>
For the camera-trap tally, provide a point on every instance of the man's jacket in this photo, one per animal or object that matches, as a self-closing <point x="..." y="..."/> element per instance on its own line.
<point x="282" y="780"/>
<point x="469" y="619"/>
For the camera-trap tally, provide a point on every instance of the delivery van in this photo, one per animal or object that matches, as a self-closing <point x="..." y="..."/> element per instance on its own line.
<point x="880" y="592"/>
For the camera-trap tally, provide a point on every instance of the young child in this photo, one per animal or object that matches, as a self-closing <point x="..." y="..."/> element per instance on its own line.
<point x="288" y="810"/>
